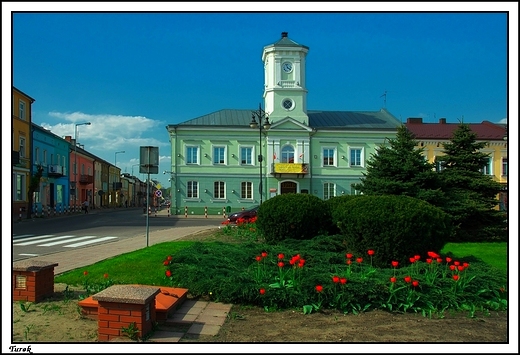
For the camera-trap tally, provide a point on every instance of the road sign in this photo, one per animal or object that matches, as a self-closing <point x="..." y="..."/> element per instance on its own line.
<point x="158" y="193"/>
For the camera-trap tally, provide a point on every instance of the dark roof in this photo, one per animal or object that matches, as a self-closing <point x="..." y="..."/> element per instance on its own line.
<point x="285" y="42"/>
<point x="484" y="131"/>
<point x="317" y="119"/>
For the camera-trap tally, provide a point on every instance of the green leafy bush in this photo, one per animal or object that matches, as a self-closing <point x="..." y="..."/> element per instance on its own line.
<point x="337" y="203"/>
<point x="395" y="227"/>
<point x="295" y="216"/>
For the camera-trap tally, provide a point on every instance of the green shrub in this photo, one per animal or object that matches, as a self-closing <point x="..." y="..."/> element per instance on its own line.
<point x="294" y="216"/>
<point x="395" y="227"/>
<point x="337" y="203"/>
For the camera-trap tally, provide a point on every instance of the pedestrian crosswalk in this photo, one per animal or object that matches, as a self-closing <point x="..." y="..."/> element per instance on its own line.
<point x="66" y="241"/>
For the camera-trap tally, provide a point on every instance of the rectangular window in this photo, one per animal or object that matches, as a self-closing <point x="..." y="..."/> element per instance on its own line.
<point x="37" y="155"/>
<point x="439" y="165"/>
<point x="486" y="170"/>
<point x="218" y="155"/>
<point x="19" y="192"/>
<point x="246" y="154"/>
<point x="328" y="157"/>
<point x="21" y="108"/>
<point x="504" y="167"/>
<point x="246" y="190"/>
<point x="22" y="147"/>
<point x="355" y="157"/>
<point x="192" y="155"/>
<point x="219" y="188"/>
<point x="63" y="161"/>
<point x="329" y="190"/>
<point x="44" y="160"/>
<point x="192" y="189"/>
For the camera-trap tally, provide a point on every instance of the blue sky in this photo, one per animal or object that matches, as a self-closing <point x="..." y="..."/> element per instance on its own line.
<point x="132" y="74"/>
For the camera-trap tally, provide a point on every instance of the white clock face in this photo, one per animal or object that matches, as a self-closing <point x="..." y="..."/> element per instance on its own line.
<point x="287" y="67"/>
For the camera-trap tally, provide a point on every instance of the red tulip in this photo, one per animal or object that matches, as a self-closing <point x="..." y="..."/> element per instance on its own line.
<point x="280" y="264"/>
<point x="169" y="257"/>
<point x="262" y="291"/>
<point x="466" y="265"/>
<point x="460" y="268"/>
<point x="335" y="279"/>
<point x="407" y="279"/>
<point x="105" y="276"/>
<point x="395" y="263"/>
<point x="280" y="256"/>
<point x="258" y="258"/>
<point x="439" y="260"/>
<point x="433" y="255"/>
<point x="448" y="260"/>
<point x="417" y="257"/>
<point x="85" y="272"/>
<point x="415" y="283"/>
<point x="456" y="263"/>
<point x="343" y="280"/>
<point x="370" y="252"/>
<point x="165" y="262"/>
<point x="349" y="261"/>
<point x="429" y="261"/>
<point x="264" y="254"/>
<point x="319" y="288"/>
<point x="393" y="279"/>
<point x="452" y="267"/>
<point x="168" y="273"/>
<point x="412" y="260"/>
<point x="349" y="256"/>
<point x="301" y="262"/>
<point x="359" y="260"/>
<point x="455" y="277"/>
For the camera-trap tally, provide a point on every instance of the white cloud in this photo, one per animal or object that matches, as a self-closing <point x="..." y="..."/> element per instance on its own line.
<point x="503" y="121"/>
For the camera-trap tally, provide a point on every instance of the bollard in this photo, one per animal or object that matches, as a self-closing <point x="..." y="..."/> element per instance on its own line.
<point x="206" y="212"/>
<point x="186" y="212"/>
<point x="168" y="211"/>
<point x="20" y="215"/>
<point x="48" y="212"/>
<point x="155" y="211"/>
<point x="224" y="211"/>
<point x="55" y="211"/>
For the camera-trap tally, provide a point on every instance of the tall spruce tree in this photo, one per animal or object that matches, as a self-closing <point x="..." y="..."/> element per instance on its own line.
<point x="472" y="196"/>
<point x="401" y="169"/>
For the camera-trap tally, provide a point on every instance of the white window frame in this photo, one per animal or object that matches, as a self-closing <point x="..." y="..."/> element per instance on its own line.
<point x="361" y="157"/>
<point x="192" y="188"/>
<point x="197" y="155"/>
<point x="334" y="156"/>
<point x="353" y="191"/>
<point x="329" y="190"/>
<point x="488" y="168"/>
<point x="221" y="149"/>
<point x="22" y="146"/>
<point x="504" y="167"/>
<point x="283" y="158"/>
<point x="219" y="192"/>
<point x="19" y="190"/>
<point x="251" y="154"/>
<point x="22" y="109"/>
<point x="246" y="190"/>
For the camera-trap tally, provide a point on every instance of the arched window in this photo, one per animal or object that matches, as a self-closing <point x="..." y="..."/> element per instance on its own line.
<point x="287" y="154"/>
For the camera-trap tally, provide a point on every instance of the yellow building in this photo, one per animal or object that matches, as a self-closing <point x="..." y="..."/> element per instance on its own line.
<point x="432" y="136"/>
<point x="21" y="156"/>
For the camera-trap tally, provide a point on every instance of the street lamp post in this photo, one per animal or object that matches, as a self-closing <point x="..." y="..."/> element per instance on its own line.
<point x="263" y="121"/>
<point x="115" y="164"/>
<point x="76" y="162"/>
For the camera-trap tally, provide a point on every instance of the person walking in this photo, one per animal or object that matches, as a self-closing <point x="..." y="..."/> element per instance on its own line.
<point x="85" y="206"/>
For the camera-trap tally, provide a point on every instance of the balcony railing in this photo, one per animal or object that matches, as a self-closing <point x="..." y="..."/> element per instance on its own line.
<point x="86" y="179"/>
<point x="289" y="168"/>
<point x="55" y="170"/>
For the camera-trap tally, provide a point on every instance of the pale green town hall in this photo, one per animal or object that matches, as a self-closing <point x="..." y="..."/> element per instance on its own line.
<point x="234" y="159"/>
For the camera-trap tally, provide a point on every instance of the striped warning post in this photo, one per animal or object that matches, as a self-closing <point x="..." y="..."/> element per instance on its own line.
<point x="206" y="212"/>
<point x="224" y="211"/>
<point x="186" y="212"/>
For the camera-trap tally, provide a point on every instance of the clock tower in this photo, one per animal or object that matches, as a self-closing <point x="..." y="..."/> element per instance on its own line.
<point x="285" y="94"/>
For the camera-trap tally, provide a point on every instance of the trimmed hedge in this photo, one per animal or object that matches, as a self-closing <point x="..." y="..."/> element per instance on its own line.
<point x="292" y="216"/>
<point x="395" y="227"/>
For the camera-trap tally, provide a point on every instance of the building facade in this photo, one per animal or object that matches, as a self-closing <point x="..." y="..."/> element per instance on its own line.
<point x="234" y="159"/>
<point x="433" y="136"/>
<point x="22" y="149"/>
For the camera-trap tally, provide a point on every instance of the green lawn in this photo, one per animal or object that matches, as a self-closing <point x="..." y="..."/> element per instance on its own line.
<point x="494" y="254"/>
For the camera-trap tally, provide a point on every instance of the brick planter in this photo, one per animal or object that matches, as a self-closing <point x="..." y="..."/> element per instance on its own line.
<point x="33" y="280"/>
<point x="121" y="305"/>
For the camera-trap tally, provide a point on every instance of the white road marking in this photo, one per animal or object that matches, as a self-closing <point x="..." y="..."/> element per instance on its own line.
<point x="88" y="242"/>
<point x="66" y="241"/>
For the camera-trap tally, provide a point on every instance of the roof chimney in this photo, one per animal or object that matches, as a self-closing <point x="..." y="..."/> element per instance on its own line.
<point x="442" y="120"/>
<point x="414" y="120"/>
<point x="284" y="34"/>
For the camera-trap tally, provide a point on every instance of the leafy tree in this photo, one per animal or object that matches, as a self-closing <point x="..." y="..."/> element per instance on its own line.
<point x="400" y="169"/>
<point x="472" y="196"/>
<point x="33" y="187"/>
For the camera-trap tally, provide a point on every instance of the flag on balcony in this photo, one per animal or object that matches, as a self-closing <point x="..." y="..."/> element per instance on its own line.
<point x="274" y="156"/>
<point x="301" y="155"/>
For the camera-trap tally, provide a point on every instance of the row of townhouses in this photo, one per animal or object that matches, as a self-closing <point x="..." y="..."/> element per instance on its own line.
<point x="234" y="159"/>
<point x="70" y="174"/>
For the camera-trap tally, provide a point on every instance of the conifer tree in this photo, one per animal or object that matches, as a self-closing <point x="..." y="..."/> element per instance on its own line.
<point x="401" y="169"/>
<point x="472" y="196"/>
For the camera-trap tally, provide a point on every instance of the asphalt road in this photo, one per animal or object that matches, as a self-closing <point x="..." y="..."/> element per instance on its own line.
<point x="52" y="235"/>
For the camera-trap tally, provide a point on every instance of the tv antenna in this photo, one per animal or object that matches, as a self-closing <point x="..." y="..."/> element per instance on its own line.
<point x="384" y="100"/>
